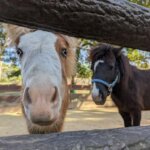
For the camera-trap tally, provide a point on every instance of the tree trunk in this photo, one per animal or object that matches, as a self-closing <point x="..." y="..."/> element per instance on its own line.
<point x="1" y="68"/>
<point x="137" y="138"/>
<point x="113" y="21"/>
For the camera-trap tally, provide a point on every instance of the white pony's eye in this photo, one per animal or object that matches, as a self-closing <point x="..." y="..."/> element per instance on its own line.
<point x="64" y="52"/>
<point x="19" y="52"/>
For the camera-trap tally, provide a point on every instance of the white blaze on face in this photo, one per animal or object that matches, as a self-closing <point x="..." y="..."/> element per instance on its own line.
<point x="97" y="63"/>
<point x="95" y="91"/>
<point x="40" y="64"/>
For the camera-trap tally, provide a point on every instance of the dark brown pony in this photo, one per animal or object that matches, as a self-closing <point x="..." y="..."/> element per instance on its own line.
<point x="129" y="87"/>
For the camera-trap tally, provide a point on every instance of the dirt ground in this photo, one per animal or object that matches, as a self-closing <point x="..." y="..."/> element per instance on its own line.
<point x="88" y="117"/>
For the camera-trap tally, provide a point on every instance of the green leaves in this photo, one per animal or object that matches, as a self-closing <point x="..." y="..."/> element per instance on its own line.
<point x="137" y="58"/>
<point x="2" y="39"/>
<point x="145" y="3"/>
<point x="83" y="71"/>
<point x="83" y="64"/>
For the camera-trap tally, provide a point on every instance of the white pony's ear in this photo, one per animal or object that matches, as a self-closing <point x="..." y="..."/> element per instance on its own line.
<point x="14" y="32"/>
<point x="72" y="41"/>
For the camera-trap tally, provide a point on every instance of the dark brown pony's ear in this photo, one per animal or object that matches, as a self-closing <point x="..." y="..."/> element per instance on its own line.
<point x="90" y="52"/>
<point x="117" y="51"/>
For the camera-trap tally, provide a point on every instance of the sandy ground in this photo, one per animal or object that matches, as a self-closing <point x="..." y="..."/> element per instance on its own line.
<point x="88" y="117"/>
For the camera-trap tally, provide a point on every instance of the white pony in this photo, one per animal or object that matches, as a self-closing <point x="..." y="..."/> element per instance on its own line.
<point x="47" y="59"/>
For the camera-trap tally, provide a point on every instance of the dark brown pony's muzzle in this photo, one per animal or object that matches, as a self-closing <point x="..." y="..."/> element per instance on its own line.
<point x="99" y="100"/>
<point x="99" y="93"/>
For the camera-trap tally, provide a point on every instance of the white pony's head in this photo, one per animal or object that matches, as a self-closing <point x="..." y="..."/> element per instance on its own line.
<point x="47" y="59"/>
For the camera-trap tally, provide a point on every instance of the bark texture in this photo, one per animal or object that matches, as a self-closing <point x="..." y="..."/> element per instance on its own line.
<point x="136" y="138"/>
<point x="113" y="21"/>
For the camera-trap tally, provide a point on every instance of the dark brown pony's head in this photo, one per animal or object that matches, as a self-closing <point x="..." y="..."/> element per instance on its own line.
<point x="105" y="71"/>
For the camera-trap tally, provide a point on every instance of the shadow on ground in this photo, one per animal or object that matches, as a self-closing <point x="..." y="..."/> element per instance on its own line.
<point x="88" y="117"/>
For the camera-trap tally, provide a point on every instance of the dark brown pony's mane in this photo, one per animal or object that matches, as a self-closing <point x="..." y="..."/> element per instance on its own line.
<point x="122" y="61"/>
<point x="99" y="51"/>
<point x="124" y="66"/>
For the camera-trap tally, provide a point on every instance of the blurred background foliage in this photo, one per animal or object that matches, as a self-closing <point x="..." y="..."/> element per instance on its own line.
<point x="10" y="68"/>
<point x="145" y="3"/>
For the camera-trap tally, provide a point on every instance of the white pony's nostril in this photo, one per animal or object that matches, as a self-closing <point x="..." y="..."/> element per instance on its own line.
<point x="27" y="97"/>
<point x="54" y="94"/>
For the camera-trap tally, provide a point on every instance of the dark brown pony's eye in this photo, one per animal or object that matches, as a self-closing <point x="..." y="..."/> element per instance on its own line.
<point x="19" y="52"/>
<point x="64" y="52"/>
<point x="111" y="67"/>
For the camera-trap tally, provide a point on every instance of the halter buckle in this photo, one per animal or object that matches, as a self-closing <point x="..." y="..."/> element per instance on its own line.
<point x="110" y="89"/>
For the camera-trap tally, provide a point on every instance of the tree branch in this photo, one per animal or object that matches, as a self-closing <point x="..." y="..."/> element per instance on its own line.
<point x="113" y="21"/>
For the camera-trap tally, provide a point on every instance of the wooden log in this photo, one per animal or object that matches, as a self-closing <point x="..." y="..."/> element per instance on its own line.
<point x="135" y="138"/>
<point x="10" y="87"/>
<point x="113" y="21"/>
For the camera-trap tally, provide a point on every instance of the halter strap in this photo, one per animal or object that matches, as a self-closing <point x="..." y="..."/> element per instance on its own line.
<point x="108" y="85"/>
